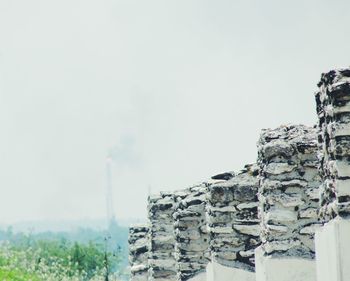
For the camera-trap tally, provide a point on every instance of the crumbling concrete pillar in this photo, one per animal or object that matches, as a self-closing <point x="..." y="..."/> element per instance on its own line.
<point x="332" y="240"/>
<point x="192" y="238"/>
<point x="233" y="226"/>
<point x="162" y="264"/>
<point x="138" y="252"/>
<point x="288" y="196"/>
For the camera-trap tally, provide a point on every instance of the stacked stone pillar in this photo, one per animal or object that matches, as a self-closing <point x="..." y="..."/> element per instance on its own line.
<point x="138" y="252"/>
<point x="234" y="226"/>
<point x="333" y="109"/>
<point x="332" y="241"/>
<point x="288" y="196"/>
<point x="192" y="238"/>
<point x="162" y="264"/>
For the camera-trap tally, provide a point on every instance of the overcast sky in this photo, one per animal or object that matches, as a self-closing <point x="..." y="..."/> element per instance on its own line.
<point x="179" y="90"/>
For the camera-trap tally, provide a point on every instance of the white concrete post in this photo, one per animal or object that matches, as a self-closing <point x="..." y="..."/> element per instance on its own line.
<point x="333" y="251"/>
<point x="271" y="268"/>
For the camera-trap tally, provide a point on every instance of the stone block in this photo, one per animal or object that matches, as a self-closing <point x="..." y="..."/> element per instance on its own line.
<point x="288" y="190"/>
<point x="139" y="252"/>
<point x="233" y="223"/>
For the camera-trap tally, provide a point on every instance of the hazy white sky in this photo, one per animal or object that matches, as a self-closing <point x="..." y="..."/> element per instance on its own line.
<point x="180" y="88"/>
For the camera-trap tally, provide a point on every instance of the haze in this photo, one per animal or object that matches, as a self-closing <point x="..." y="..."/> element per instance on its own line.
<point x="177" y="90"/>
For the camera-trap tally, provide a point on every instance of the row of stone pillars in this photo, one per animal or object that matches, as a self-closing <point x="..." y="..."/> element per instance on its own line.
<point x="260" y="223"/>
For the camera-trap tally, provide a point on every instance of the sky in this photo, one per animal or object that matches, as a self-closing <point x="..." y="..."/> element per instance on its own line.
<point x="176" y="91"/>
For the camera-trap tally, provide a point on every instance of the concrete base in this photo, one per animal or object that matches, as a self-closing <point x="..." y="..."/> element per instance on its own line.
<point x="333" y="251"/>
<point x="284" y="269"/>
<point x="218" y="272"/>
<point x="199" y="277"/>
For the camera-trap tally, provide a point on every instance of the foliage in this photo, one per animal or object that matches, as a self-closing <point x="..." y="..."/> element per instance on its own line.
<point x="57" y="243"/>
<point x="55" y="260"/>
<point x="17" y="275"/>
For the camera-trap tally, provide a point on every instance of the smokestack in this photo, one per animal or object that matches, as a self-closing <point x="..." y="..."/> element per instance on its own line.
<point x="109" y="192"/>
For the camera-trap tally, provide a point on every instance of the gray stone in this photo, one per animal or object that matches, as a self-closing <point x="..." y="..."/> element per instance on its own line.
<point x="288" y="191"/>
<point x="139" y="252"/>
<point x="162" y="263"/>
<point x="233" y="219"/>
<point x="332" y="105"/>
<point x="192" y="240"/>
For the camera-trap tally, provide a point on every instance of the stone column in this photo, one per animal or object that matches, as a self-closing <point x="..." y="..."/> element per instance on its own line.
<point x="138" y="252"/>
<point x="233" y="226"/>
<point x="162" y="260"/>
<point x="332" y="241"/>
<point x="192" y="238"/>
<point x="288" y="196"/>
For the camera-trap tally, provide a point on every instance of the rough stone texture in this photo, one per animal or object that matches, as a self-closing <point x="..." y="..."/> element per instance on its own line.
<point x="233" y="219"/>
<point x="333" y="109"/>
<point x="162" y="264"/>
<point x="192" y="238"/>
<point x="138" y="252"/>
<point x="288" y="192"/>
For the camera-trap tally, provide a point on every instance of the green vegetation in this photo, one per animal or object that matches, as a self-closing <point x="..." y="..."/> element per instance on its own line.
<point x="58" y="257"/>
<point x="56" y="260"/>
<point x="17" y="275"/>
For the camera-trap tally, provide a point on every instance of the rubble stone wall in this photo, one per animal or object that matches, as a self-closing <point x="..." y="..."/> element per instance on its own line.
<point x="333" y="109"/>
<point x="192" y="238"/>
<point x="233" y="219"/>
<point x="162" y="264"/>
<point x="301" y="180"/>
<point x="288" y="192"/>
<point x="138" y="252"/>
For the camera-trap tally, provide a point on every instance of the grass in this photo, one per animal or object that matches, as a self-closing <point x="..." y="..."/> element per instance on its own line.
<point x="54" y="261"/>
<point x="17" y="275"/>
